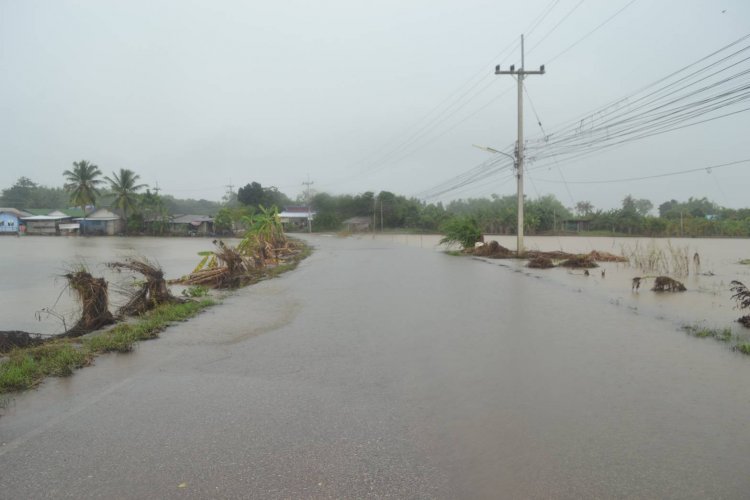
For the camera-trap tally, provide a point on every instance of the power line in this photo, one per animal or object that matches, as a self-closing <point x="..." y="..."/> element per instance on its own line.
<point x="656" y="176"/>
<point x="672" y="106"/>
<point x="592" y="31"/>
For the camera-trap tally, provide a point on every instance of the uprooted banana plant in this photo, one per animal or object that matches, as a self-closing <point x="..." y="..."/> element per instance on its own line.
<point x="263" y="245"/>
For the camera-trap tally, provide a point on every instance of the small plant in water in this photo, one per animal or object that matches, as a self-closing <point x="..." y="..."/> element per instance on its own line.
<point x="195" y="291"/>
<point x="702" y="332"/>
<point x="653" y="259"/>
<point x="742" y="297"/>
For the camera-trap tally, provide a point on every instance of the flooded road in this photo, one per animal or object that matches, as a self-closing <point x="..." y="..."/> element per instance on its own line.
<point x="382" y="369"/>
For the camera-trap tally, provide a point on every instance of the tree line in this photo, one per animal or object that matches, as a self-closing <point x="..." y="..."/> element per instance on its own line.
<point x="147" y="211"/>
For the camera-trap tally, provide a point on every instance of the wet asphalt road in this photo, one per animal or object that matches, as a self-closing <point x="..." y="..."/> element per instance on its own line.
<point x="376" y="370"/>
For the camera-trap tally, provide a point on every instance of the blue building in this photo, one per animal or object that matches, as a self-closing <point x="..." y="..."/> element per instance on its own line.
<point x="10" y="220"/>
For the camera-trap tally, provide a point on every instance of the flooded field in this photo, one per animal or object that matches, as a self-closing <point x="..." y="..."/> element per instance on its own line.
<point x="31" y="270"/>
<point x="706" y="302"/>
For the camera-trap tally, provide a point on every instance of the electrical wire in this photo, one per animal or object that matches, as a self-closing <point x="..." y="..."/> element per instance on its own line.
<point x="655" y="176"/>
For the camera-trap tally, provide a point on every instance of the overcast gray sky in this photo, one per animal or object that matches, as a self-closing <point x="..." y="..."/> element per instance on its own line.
<point x="359" y="95"/>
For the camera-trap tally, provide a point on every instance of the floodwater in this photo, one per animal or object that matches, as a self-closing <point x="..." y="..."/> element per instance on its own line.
<point x="707" y="301"/>
<point x="31" y="270"/>
<point x="379" y="369"/>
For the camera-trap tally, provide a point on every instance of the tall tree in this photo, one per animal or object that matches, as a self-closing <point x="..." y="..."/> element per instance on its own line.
<point x="82" y="183"/>
<point x="584" y="208"/>
<point x="125" y="188"/>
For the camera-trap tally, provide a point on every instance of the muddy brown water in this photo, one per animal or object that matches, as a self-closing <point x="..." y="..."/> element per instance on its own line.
<point x="381" y="369"/>
<point x="31" y="270"/>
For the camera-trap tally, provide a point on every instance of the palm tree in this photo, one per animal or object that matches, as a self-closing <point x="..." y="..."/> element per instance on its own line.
<point x="124" y="188"/>
<point x="82" y="184"/>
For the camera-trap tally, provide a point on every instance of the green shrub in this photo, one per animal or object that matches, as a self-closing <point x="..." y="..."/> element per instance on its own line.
<point x="462" y="230"/>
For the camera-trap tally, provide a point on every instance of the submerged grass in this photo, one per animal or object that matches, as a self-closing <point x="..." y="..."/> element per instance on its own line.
<point x="27" y="367"/>
<point x="720" y="334"/>
<point x="652" y="258"/>
<point x="702" y="332"/>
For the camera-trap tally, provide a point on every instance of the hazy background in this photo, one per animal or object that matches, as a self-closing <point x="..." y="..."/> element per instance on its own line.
<point x="196" y="96"/>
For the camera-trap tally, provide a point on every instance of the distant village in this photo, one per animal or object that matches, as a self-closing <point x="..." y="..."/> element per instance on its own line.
<point x="97" y="205"/>
<point x="105" y="222"/>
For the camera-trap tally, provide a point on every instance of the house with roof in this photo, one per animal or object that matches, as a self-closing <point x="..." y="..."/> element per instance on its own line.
<point x="11" y="220"/>
<point x="357" y="224"/>
<point x="191" y="225"/>
<point x="100" y="222"/>
<point x="53" y="223"/>
<point x="296" y="218"/>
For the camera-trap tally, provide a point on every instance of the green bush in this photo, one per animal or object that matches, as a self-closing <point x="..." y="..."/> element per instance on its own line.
<point x="462" y="230"/>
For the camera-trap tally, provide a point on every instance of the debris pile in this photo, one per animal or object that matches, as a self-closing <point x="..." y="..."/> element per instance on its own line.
<point x="667" y="284"/>
<point x="11" y="339"/>
<point x="541" y="262"/>
<point x="151" y="292"/>
<point x="493" y="250"/>
<point x="584" y="261"/>
<point x="93" y="296"/>
<point x="224" y="267"/>
<point x="263" y="246"/>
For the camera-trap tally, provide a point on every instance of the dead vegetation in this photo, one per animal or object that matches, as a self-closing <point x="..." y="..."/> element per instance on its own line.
<point x="93" y="295"/>
<point x="742" y="297"/>
<point x="11" y="339"/>
<point x="493" y="250"/>
<point x="224" y="267"/>
<point x="661" y="284"/>
<point x="667" y="284"/>
<point x="540" y="263"/>
<point x="545" y="260"/>
<point x="579" y="262"/>
<point x="654" y="259"/>
<point x="151" y="291"/>
<point x="264" y="246"/>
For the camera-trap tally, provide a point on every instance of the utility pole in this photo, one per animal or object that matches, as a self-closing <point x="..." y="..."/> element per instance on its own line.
<point x="230" y="191"/>
<point x="157" y="188"/>
<point x="520" y="74"/>
<point x="381" y="215"/>
<point x="309" y="211"/>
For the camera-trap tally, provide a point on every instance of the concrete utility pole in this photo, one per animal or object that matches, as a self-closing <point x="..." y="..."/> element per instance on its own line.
<point x="520" y="74"/>
<point x="309" y="210"/>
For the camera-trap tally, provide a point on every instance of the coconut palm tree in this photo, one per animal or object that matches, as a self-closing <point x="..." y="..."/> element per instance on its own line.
<point x="82" y="184"/>
<point x="124" y="188"/>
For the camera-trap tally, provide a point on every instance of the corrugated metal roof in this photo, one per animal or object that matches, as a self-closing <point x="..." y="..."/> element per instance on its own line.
<point x="295" y="215"/>
<point x="15" y="211"/>
<point x="100" y="214"/>
<point x="189" y="219"/>
<point x="47" y="217"/>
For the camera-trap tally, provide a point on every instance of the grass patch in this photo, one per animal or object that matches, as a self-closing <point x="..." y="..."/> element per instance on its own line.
<point x="454" y="253"/>
<point x="27" y="367"/>
<point x="195" y="291"/>
<point x="745" y="262"/>
<point x="703" y="332"/>
<point x="743" y="348"/>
